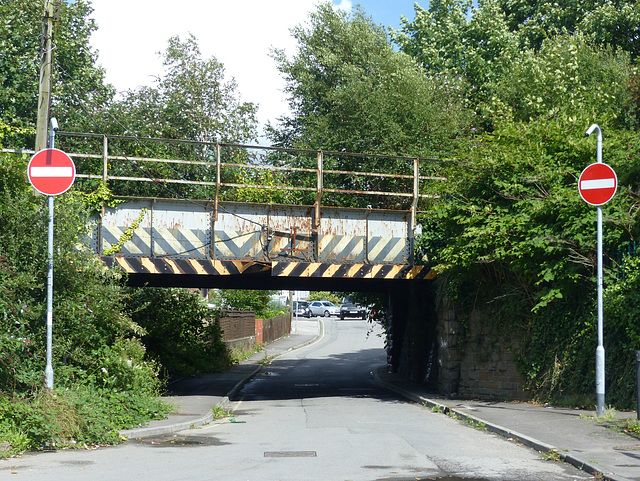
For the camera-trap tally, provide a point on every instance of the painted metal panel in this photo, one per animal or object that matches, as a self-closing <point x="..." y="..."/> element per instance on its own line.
<point x="259" y="232"/>
<point x="181" y="229"/>
<point x="229" y="245"/>
<point x="358" y="235"/>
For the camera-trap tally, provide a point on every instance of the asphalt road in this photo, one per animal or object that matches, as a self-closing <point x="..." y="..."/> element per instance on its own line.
<point x="313" y="414"/>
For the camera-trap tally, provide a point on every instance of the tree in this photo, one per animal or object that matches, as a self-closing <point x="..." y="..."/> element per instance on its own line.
<point x="568" y="76"/>
<point x="191" y="100"/>
<point x="482" y="46"/>
<point x="606" y="23"/>
<point x="512" y="234"/>
<point x="77" y="83"/>
<point x="350" y="91"/>
<point x="452" y="38"/>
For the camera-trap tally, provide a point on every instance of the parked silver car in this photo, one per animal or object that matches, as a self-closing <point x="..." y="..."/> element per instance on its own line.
<point x="324" y="308"/>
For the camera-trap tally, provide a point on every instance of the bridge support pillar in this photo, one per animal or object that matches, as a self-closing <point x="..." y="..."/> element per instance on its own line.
<point x="413" y="345"/>
<point x="476" y="354"/>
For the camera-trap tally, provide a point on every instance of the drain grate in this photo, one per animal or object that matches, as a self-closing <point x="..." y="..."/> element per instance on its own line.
<point x="290" y="454"/>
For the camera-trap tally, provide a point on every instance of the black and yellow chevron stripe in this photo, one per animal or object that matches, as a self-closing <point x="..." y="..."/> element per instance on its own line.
<point x="207" y="267"/>
<point x="350" y="271"/>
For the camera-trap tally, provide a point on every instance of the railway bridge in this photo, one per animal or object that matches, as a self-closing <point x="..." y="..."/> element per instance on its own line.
<point x="197" y="214"/>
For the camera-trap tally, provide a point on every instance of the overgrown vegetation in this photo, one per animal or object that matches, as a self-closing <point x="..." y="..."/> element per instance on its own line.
<point x="512" y="236"/>
<point x="103" y="380"/>
<point x="181" y="333"/>
<point x="612" y="420"/>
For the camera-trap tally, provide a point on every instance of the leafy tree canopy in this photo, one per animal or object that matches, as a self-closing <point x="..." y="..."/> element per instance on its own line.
<point x="483" y="45"/>
<point x="349" y="90"/>
<point x="77" y="83"/>
<point x="191" y="100"/>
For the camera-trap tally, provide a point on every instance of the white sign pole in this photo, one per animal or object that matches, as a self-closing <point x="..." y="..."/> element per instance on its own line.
<point x="48" y="371"/>
<point x="600" y="392"/>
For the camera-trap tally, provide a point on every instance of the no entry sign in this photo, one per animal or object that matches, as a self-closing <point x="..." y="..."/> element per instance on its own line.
<point x="51" y="172"/>
<point x="597" y="184"/>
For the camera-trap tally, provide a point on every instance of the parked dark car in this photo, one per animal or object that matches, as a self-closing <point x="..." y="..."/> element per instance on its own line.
<point x="301" y="309"/>
<point x="349" y="309"/>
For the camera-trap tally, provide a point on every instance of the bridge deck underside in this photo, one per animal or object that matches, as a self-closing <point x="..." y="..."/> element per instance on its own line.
<point x="261" y="275"/>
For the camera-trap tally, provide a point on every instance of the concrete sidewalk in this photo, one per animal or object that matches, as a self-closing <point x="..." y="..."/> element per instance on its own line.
<point x="571" y="433"/>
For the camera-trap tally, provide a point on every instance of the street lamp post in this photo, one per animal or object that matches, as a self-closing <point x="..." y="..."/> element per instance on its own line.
<point x="600" y="391"/>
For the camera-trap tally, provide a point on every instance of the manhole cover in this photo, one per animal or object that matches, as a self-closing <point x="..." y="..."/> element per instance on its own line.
<point x="290" y="454"/>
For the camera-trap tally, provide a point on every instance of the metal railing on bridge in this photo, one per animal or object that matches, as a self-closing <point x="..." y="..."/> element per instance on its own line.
<point x="150" y="167"/>
<point x="306" y="206"/>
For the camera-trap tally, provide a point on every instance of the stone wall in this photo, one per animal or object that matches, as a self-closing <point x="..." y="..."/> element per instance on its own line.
<point x="476" y="358"/>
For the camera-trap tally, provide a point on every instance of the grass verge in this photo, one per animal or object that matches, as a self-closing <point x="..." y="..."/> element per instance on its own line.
<point x="72" y="418"/>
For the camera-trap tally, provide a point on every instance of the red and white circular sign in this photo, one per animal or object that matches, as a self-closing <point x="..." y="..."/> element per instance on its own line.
<point x="597" y="184"/>
<point x="51" y="172"/>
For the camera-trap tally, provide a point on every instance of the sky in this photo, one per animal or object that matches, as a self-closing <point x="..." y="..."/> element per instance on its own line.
<point x="239" y="34"/>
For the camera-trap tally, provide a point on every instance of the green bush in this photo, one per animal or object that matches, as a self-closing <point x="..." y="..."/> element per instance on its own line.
<point x="622" y="334"/>
<point x="103" y="379"/>
<point x="181" y="332"/>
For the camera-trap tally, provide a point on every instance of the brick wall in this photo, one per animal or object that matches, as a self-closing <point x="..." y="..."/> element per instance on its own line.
<point x="238" y="327"/>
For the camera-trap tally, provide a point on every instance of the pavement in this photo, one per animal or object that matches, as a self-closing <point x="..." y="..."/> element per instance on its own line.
<point x="570" y="435"/>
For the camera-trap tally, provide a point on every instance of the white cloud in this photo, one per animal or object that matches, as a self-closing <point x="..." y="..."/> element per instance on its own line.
<point x="346" y="5"/>
<point x="239" y="34"/>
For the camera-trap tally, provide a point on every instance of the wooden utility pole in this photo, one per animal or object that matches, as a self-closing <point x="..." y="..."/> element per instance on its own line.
<point x="44" y="90"/>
